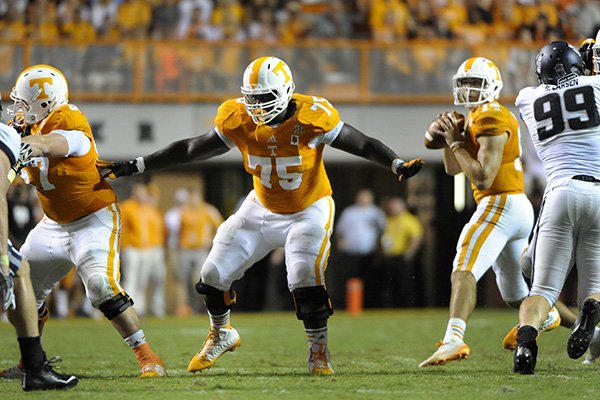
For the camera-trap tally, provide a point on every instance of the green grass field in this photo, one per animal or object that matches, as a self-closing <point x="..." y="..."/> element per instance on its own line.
<point x="374" y="355"/>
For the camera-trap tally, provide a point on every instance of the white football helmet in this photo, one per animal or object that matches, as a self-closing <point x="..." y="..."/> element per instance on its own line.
<point x="596" y="55"/>
<point x="267" y="88"/>
<point x="476" y="82"/>
<point x="39" y="90"/>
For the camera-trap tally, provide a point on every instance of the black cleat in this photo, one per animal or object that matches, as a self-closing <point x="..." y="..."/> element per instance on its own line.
<point x="582" y="334"/>
<point x="525" y="359"/>
<point x="526" y="353"/>
<point x="46" y="378"/>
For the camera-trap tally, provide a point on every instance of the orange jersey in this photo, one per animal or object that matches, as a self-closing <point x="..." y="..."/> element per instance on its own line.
<point x="69" y="188"/>
<point x="198" y="226"/>
<point x="136" y="221"/>
<point x="495" y="119"/>
<point x="156" y="227"/>
<point x="286" y="161"/>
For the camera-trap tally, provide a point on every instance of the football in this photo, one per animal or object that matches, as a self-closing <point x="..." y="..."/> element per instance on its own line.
<point x="432" y="139"/>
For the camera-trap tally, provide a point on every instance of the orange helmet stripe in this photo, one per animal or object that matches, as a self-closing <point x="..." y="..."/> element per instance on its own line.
<point x="469" y="63"/>
<point x="256" y="65"/>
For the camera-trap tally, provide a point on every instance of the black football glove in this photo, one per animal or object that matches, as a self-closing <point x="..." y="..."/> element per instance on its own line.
<point x="23" y="161"/>
<point x="409" y="168"/>
<point x="586" y="55"/>
<point x="115" y="169"/>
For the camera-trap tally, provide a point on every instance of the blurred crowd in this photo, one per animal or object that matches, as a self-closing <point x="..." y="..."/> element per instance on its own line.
<point x="288" y="21"/>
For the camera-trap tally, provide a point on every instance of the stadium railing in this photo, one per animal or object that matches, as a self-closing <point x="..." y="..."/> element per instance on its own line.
<point x="194" y="71"/>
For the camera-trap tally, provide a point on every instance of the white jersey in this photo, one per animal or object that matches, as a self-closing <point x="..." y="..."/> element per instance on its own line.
<point x="564" y="123"/>
<point x="10" y="142"/>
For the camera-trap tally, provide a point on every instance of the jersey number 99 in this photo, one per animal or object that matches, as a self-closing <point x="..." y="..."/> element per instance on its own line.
<point x="576" y="100"/>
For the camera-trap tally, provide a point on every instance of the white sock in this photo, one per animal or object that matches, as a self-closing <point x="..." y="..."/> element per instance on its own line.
<point x="455" y="330"/>
<point x="316" y="336"/>
<point x="220" y="321"/>
<point x="137" y="339"/>
<point x="61" y="303"/>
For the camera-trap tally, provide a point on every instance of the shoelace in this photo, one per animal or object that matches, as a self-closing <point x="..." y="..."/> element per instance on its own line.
<point x="212" y="339"/>
<point x="54" y="361"/>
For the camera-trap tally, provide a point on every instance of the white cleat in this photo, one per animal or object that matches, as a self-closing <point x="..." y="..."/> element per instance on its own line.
<point x="447" y="352"/>
<point x="594" y="349"/>
<point x="319" y="360"/>
<point x="218" y="342"/>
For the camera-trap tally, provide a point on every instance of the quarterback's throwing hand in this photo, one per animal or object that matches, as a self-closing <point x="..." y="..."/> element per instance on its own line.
<point x="409" y="168"/>
<point x="115" y="169"/>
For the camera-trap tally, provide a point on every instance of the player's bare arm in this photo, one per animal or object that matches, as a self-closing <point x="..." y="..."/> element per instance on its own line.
<point x="353" y="141"/>
<point x="482" y="170"/>
<point x="198" y="148"/>
<point x="50" y="145"/>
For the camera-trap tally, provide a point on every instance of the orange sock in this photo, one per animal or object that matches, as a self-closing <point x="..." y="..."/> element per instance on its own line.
<point x="145" y="355"/>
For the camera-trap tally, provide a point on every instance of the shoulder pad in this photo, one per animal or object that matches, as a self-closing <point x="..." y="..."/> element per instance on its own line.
<point x="491" y="118"/>
<point x="523" y="95"/>
<point x="316" y="111"/>
<point x="230" y="114"/>
<point x="67" y="117"/>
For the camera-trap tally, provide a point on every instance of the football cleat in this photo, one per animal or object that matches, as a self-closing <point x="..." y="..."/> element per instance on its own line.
<point x="217" y="342"/>
<point x="551" y="322"/>
<point x="525" y="358"/>
<point x="594" y="350"/>
<point x="582" y="333"/>
<point x="155" y="370"/>
<point x="46" y="378"/>
<point x="319" y="360"/>
<point x="13" y="372"/>
<point x="447" y="352"/>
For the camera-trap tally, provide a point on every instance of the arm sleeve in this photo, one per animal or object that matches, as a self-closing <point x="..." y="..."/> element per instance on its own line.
<point x="79" y="144"/>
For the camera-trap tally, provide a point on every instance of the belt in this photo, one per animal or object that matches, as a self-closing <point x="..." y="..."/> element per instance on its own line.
<point x="585" y="178"/>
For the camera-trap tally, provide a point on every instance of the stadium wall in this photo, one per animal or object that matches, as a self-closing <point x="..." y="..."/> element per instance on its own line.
<point x="127" y="130"/>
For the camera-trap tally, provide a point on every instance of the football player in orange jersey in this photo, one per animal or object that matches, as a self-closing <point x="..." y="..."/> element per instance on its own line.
<point x="82" y="222"/>
<point x="281" y="136"/>
<point x="487" y="149"/>
<point x="16" y="293"/>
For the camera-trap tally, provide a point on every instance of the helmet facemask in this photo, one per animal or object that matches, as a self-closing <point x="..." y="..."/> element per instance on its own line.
<point x="263" y="105"/>
<point x="473" y="90"/>
<point x="596" y="59"/>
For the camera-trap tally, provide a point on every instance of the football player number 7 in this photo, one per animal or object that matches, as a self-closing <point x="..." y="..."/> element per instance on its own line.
<point x="287" y="180"/>
<point x="43" y="163"/>
<point x="578" y="101"/>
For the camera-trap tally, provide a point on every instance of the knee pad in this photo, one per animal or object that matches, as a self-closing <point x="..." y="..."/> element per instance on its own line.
<point x="114" y="307"/>
<point x="217" y="302"/>
<point x="312" y="303"/>
<point x="43" y="313"/>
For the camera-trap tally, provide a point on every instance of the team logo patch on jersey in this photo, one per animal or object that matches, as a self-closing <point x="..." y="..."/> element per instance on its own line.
<point x="294" y="141"/>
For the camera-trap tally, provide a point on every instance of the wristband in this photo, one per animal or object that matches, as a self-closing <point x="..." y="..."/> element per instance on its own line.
<point x="141" y="166"/>
<point x="456" y="145"/>
<point x="4" y="260"/>
<point x="396" y="164"/>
